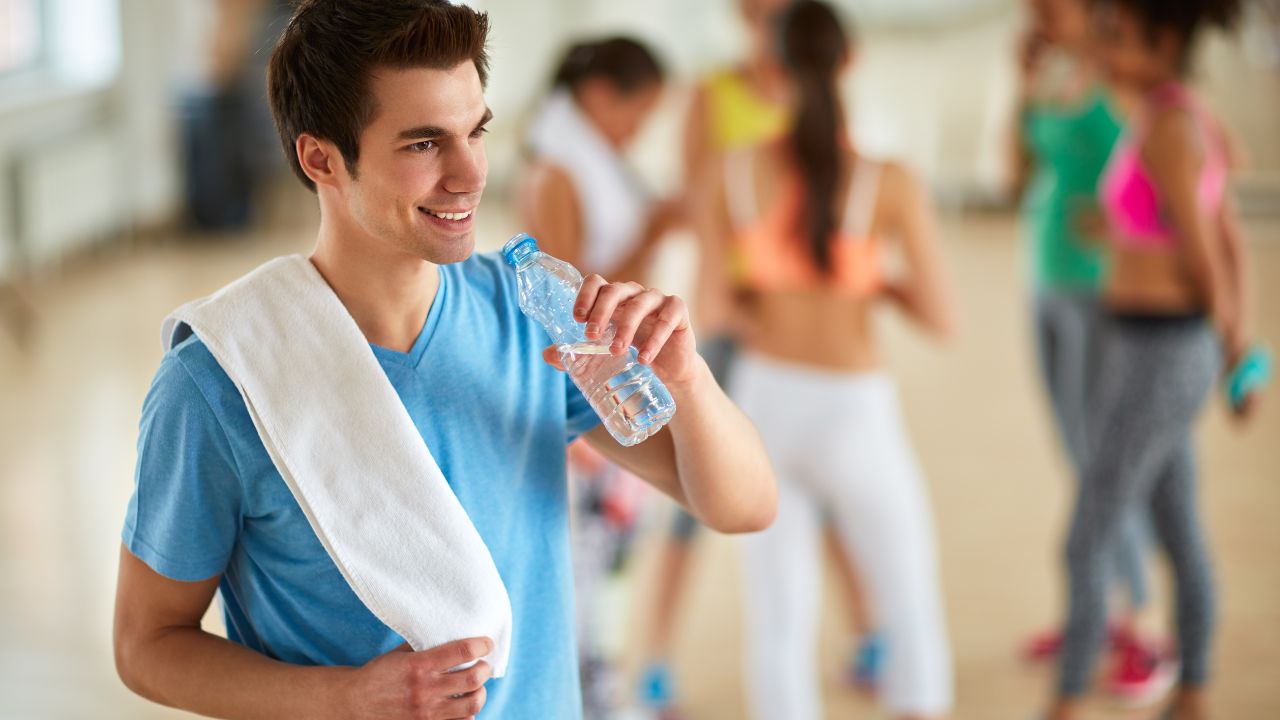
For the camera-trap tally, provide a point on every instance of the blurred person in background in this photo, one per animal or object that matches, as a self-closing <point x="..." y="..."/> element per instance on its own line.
<point x="734" y="108"/>
<point x="381" y="112"/>
<point x="1174" y="316"/>
<point x="584" y="205"/>
<point x="229" y="144"/>
<point x="1065" y="126"/>
<point x="811" y="220"/>
<point x="580" y="199"/>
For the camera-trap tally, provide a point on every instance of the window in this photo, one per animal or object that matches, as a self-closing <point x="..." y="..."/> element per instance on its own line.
<point x="21" y="35"/>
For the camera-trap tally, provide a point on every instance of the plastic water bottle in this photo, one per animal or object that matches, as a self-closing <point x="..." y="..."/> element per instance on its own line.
<point x="628" y="397"/>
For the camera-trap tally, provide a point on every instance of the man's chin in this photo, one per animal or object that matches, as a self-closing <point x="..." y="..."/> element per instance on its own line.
<point x="445" y="251"/>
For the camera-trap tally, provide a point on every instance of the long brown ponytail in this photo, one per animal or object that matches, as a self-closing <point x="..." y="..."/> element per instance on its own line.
<point x="813" y="45"/>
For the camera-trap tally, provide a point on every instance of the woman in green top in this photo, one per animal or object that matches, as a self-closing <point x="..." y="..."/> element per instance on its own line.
<point x="1067" y="124"/>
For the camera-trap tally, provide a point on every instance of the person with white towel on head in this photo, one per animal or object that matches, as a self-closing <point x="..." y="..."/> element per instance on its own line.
<point x="585" y="205"/>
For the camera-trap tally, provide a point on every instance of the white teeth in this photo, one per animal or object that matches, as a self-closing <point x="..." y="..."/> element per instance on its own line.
<point x="452" y="216"/>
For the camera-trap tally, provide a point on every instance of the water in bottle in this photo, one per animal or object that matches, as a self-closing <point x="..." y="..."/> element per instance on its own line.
<point x="630" y="400"/>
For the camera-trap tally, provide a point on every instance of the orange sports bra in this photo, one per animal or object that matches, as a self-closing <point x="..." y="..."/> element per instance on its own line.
<point x="769" y="253"/>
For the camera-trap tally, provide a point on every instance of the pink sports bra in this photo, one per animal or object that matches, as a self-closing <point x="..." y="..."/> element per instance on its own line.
<point x="1127" y="194"/>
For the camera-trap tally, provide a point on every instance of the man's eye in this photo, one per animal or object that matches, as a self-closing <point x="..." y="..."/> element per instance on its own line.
<point x="423" y="146"/>
<point x="479" y="132"/>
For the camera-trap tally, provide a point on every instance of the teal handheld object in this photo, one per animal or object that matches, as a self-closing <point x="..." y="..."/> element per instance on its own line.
<point x="1248" y="376"/>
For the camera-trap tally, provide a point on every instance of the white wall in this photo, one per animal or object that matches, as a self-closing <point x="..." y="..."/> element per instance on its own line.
<point x="87" y="145"/>
<point x="92" y="148"/>
<point x="933" y="83"/>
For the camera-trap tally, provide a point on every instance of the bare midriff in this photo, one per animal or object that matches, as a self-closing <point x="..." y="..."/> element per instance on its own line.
<point x="1151" y="280"/>
<point x="816" y="326"/>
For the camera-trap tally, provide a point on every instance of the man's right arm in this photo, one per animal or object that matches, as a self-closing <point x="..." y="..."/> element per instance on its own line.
<point x="162" y="654"/>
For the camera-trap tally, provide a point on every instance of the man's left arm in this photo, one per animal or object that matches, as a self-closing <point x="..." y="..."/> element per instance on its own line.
<point x="709" y="458"/>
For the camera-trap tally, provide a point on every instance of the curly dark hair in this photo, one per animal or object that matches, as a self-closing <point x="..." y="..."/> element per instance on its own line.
<point x="1184" y="17"/>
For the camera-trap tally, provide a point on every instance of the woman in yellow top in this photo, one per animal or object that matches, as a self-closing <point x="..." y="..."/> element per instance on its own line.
<point x="734" y="108"/>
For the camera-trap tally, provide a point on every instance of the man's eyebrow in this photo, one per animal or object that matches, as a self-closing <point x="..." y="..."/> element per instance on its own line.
<point x="431" y="132"/>
<point x="426" y="132"/>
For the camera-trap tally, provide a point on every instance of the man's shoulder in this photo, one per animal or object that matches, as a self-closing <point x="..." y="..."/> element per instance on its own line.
<point x="190" y="374"/>
<point x="192" y="356"/>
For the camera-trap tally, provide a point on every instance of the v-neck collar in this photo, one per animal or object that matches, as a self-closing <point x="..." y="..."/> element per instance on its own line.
<point x="414" y="357"/>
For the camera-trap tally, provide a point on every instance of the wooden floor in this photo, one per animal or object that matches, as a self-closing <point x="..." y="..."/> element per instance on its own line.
<point x="77" y="350"/>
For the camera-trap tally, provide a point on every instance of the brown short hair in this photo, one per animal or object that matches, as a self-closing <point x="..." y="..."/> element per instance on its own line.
<point x="318" y="77"/>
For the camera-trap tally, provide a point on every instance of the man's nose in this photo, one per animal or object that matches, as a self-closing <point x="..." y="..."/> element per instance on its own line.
<point x="465" y="169"/>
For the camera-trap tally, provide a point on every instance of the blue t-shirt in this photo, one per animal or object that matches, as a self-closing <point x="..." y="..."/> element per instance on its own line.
<point x="209" y="501"/>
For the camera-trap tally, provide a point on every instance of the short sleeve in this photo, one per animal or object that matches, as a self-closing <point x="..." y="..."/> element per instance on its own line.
<point x="578" y="413"/>
<point x="185" y="512"/>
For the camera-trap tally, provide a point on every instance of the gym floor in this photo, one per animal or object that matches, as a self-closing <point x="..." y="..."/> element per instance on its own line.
<point x="78" y="348"/>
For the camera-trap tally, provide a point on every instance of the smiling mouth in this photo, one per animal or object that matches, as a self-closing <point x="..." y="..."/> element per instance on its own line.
<point x="454" y="216"/>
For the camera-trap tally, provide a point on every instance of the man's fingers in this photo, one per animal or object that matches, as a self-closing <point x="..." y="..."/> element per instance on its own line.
<point x="464" y="682"/>
<point x="591" y="286"/>
<point x="630" y="308"/>
<point x="627" y="318"/>
<point x="672" y="316"/>
<point x="607" y="300"/>
<point x="552" y="356"/>
<point x="465" y="707"/>
<point x="458" y="652"/>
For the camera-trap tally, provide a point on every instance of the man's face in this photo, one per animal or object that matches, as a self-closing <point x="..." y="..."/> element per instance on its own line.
<point x="422" y="156"/>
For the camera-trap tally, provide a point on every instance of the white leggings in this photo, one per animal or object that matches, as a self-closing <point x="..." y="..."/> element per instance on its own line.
<point x="838" y="447"/>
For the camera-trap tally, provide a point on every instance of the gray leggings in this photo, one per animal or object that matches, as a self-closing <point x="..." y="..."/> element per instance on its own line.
<point x="1155" y="374"/>
<point x="1066" y="329"/>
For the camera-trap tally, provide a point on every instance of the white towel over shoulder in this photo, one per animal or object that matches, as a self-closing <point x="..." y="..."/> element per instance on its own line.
<point x="344" y="443"/>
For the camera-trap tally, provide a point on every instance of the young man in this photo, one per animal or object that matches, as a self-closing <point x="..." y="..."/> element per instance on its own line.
<point x="381" y="111"/>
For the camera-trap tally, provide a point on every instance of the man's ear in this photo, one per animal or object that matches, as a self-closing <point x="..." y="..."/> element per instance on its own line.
<point x="320" y="159"/>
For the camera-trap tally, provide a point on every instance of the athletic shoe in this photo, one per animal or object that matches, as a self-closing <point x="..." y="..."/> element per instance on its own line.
<point x="1047" y="645"/>
<point x="867" y="663"/>
<point x="1142" y="674"/>
<point x="657" y="688"/>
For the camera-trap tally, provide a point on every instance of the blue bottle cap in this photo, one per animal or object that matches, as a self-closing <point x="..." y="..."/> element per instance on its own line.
<point x="518" y="248"/>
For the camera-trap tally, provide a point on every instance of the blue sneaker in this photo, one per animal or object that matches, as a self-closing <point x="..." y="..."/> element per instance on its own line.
<point x="868" y="662"/>
<point x="657" y="688"/>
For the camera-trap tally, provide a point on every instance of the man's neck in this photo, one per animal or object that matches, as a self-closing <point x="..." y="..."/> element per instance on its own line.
<point x="387" y="291"/>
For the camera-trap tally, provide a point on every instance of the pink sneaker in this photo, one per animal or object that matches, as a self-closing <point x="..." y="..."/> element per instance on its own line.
<point x="1042" y="646"/>
<point x="1048" y="644"/>
<point x="1142" y="674"/>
